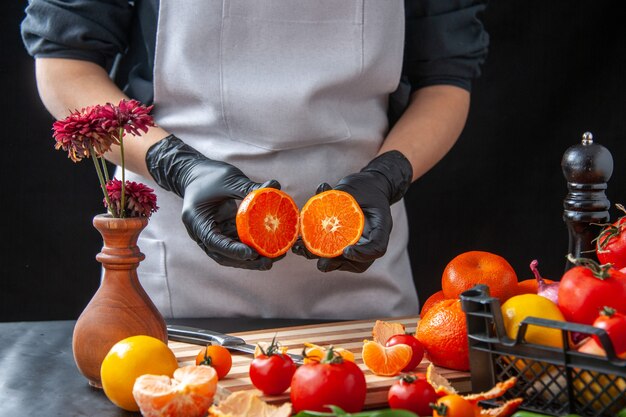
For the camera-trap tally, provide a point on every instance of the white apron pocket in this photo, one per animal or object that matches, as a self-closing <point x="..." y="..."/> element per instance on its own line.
<point x="280" y="57"/>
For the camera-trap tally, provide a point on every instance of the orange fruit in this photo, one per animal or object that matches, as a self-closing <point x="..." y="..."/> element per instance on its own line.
<point x="386" y="361"/>
<point x="477" y="267"/>
<point x="248" y="404"/>
<point x="530" y="286"/>
<point x="383" y="330"/>
<point x="267" y="221"/>
<point x="217" y="357"/>
<point x="443" y="333"/>
<point x="329" y="222"/>
<point x="130" y="358"/>
<point x="431" y="301"/>
<point x="189" y="393"/>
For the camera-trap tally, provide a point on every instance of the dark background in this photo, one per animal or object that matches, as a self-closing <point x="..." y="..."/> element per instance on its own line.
<point x="556" y="69"/>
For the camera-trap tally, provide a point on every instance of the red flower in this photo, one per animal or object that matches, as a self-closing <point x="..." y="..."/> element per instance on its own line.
<point x="78" y="132"/>
<point x="130" y="115"/>
<point x="140" y="199"/>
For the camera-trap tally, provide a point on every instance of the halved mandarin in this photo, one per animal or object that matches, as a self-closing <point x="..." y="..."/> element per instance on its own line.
<point x="267" y="221"/>
<point x="329" y="222"/>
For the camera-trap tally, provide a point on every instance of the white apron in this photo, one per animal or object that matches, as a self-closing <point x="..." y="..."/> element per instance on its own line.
<point x="294" y="90"/>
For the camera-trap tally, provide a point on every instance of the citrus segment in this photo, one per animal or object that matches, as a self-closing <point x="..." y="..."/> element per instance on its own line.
<point x="248" y="404"/>
<point x="189" y="393"/>
<point x="267" y="221"/>
<point x="329" y="222"/>
<point x="315" y="353"/>
<point x="383" y="330"/>
<point x="130" y="358"/>
<point x="386" y="361"/>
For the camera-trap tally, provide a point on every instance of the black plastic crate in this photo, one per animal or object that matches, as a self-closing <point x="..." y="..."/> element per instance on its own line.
<point x="551" y="381"/>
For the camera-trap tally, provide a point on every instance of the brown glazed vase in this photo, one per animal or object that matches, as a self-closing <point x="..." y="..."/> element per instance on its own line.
<point x="120" y="307"/>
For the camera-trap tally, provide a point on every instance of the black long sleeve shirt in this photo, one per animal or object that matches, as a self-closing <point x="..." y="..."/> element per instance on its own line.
<point x="445" y="41"/>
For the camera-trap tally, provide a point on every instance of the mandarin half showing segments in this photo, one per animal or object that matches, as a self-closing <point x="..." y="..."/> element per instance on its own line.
<point x="267" y="221"/>
<point x="330" y="221"/>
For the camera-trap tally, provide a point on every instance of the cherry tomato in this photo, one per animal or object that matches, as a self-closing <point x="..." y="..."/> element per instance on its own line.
<point x="272" y="372"/>
<point x="453" y="405"/>
<point x="217" y="357"/>
<point x="331" y="381"/>
<point x="413" y="394"/>
<point x="418" y="349"/>
<point x="587" y="287"/>
<point x="614" y="324"/>
<point x="611" y="243"/>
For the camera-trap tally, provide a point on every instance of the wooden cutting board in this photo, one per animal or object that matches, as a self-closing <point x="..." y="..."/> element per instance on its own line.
<point x="347" y="334"/>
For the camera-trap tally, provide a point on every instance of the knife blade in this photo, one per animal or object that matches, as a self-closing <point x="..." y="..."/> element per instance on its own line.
<point x="202" y="336"/>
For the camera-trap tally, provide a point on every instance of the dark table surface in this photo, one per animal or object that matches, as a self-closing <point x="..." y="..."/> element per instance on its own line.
<point x="38" y="376"/>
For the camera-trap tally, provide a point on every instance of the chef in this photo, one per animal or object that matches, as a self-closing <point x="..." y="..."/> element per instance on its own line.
<point x="359" y="95"/>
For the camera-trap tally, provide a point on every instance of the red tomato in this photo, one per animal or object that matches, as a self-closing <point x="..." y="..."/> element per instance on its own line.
<point x="272" y="372"/>
<point x="217" y="357"/>
<point x="413" y="394"/>
<point x="614" y="324"/>
<point x="611" y="243"/>
<point x="584" y="290"/>
<point x="336" y="381"/>
<point x="418" y="349"/>
<point x="453" y="405"/>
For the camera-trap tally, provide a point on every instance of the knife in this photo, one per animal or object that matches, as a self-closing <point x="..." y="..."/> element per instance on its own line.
<point x="202" y="336"/>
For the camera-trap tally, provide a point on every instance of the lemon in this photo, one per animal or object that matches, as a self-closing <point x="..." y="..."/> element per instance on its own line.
<point x="517" y="308"/>
<point x="127" y="360"/>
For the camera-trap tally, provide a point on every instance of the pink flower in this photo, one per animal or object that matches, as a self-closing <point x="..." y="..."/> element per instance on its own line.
<point x="130" y="115"/>
<point x="78" y="132"/>
<point x="140" y="199"/>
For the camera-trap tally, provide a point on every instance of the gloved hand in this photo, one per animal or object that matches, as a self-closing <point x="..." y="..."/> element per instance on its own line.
<point x="209" y="189"/>
<point x="376" y="187"/>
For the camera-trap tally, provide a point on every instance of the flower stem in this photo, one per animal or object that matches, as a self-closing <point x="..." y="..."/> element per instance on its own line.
<point x="105" y="169"/>
<point x="101" y="179"/>
<point x="123" y="200"/>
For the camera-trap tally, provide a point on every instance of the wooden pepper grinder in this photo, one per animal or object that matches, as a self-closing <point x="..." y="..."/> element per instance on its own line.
<point x="587" y="167"/>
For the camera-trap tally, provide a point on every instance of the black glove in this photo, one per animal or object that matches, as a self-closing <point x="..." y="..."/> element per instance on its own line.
<point x="380" y="184"/>
<point x="209" y="189"/>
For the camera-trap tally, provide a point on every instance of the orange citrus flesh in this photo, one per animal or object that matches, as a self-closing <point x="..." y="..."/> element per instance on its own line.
<point x="189" y="393"/>
<point x="329" y="222"/>
<point x="315" y="353"/>
<point x="267" y="221"/>
<point x="386" y="361"/>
